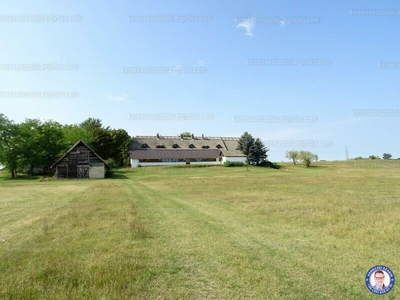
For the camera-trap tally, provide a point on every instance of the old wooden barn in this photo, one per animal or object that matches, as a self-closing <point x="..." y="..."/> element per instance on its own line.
<point x="80" y="162"/>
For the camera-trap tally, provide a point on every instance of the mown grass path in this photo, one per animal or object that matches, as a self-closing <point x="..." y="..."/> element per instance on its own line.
<point x="250" y="236"/>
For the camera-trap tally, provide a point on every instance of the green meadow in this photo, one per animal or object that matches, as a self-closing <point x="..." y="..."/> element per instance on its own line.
<point x="202" y="233"/>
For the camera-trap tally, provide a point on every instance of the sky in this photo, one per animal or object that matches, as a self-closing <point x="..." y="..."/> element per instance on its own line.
<point x="305" y="75"/>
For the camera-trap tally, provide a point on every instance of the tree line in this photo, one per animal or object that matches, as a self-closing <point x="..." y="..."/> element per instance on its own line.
<point x="35" y="143"/>
<point x="385" y="156"/>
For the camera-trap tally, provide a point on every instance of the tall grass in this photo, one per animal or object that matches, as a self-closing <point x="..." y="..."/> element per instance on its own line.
<point x="208" y="233"/>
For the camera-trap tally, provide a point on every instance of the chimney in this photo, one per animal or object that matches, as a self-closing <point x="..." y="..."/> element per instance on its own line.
<point x="192" y="137"/>
<point x="181" y="137"/>
<point x="202" y="137"/>
<point x="158" y="136"/>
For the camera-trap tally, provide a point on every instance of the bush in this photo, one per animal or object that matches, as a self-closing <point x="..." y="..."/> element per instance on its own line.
<point x="269" y="164"/>
<point x="233" y="164"/>
<point x="374" y="157"/>
<point x="189" y="166"/>
<point x="109" y="172"/>
<point x="111" y="162"/>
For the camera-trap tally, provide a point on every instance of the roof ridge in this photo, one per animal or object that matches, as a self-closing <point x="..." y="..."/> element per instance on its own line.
<point x="70" y="149"/>
<point x="229" y="138"/>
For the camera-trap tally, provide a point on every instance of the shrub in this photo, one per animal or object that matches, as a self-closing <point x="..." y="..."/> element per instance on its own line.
<point x="189" y="166"/>
<point x="269" y="164"/>
<point x="109" y="172"/>
<point x="233" y="164"/>
<point x="111" y="162"/>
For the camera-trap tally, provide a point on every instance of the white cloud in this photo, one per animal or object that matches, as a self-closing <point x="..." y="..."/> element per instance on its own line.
<point x="248" y="25"/>
<point x="122" y="98"/>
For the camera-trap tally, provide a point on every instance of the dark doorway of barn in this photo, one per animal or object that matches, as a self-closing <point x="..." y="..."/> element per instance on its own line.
<point x="62" y="171"/>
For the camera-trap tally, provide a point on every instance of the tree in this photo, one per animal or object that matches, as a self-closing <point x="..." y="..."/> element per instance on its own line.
<point x="41" y="143"/>
<point x="73" y="133"/>
<point x="50" y="143"/>
<point x="254" y="149"/>
<point x="91" y="124"/>
<point x="293" y="155"/>
<point x="9" y="145"/>
<point x="99" y="137"/>
<point x="307" y="157"/>
<point x="108" y="143"/>
<point x="119" y="142"/>
<point x="34" y="143"/>
<point x="29" y="144"/>
<point x="387" y="156"/>
<point x="259" y="152"/>
<point x="246" y="146"/>
<point x="374" y="157"/>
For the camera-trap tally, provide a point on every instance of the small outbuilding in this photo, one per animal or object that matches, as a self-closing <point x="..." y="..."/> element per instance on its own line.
<point x="80" y="162"/>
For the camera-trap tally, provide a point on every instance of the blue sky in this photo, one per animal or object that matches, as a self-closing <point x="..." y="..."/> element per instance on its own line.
<point x="208" y="49"/>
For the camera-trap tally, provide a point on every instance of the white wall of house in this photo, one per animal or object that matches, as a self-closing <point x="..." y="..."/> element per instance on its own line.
<point x="145" y="164"/>
<point x="134" y="163"/>
<point x="234" y="158"/>
<point x="206" y="163"/>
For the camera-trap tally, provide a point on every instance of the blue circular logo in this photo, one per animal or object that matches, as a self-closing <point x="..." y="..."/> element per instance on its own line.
<point x="379" y="280"/>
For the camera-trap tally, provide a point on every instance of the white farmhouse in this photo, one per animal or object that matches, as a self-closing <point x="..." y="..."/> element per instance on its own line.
<point x="178" y="150"/>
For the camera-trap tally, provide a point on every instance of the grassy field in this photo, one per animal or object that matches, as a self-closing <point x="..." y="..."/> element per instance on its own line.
<point x="202" y="233"/>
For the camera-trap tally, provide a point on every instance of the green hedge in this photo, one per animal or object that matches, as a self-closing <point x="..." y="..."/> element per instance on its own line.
<point x="233" y="164"/>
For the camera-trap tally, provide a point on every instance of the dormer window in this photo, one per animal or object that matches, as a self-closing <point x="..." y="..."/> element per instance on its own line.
<point x="191" y="146"/>
<point x="144" y="146"/>
<point x="160" y="146"/>
<point x="219" y="146"/>
<point x="205" y="147"/>
<point x="175" y="146"/>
